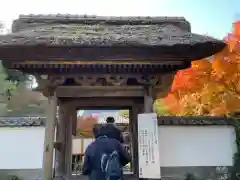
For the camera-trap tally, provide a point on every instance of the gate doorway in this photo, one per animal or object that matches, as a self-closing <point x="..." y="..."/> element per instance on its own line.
<point x="89" y="117"/>
<point x="68" y="110"/>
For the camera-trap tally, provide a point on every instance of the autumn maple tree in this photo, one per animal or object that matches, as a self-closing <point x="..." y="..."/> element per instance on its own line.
<point x="211" y="86"/>
<point x="85" y="125"/>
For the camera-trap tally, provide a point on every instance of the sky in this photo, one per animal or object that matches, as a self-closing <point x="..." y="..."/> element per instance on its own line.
<point x="212" y="17"/>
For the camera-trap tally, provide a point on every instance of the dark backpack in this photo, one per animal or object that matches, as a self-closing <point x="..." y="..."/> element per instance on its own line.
<point x="111" y="167"/>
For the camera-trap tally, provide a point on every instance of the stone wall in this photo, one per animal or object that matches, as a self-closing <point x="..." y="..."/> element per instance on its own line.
<point x="203" y="173"/>
<point x="167" y="173"/>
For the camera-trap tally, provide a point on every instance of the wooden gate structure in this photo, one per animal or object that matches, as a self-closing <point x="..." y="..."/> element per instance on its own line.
<point x="91" y="61"/>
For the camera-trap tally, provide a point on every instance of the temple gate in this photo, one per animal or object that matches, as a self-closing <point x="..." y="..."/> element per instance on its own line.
<point x="91" y="61"/>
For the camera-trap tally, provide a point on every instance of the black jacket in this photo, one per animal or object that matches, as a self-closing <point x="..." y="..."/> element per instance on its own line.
<point x="93" y="154"/>
<point x="111" y="131"/>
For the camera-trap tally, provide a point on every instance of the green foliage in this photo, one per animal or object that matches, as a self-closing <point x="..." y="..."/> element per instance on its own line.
<point x="160" y="108"/>
<point x="124" y="113"/>
<point x="6" y="86"/>
<point x="6" y="89"/>
<point x="190" y="176"/>
<point x="16" y="76"/>
<point x="29" y="110"/>
<point x="16" y="99"/>
<point x="4" y="176"/>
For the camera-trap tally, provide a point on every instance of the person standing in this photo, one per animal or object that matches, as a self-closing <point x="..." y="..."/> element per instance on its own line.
<point x="112" y="131"/>
<point x="105" y="158"/>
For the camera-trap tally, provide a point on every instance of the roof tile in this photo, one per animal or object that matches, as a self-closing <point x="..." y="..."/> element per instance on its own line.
<point x="21" y="121"/>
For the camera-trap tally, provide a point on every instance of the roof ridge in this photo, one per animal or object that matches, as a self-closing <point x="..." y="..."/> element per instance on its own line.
<point x="95" y="17"/>
<point x="41" y="19"/>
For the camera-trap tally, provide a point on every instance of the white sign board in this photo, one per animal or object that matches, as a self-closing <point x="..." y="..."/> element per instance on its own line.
<point x="148" y="148"/>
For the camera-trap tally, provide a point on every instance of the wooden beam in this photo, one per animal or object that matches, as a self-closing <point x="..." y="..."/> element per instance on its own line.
<point x="99" y="91"/>
<point x="49" y="138"/>
<point x="104" y="102"/>
<point x="71" y="53"/>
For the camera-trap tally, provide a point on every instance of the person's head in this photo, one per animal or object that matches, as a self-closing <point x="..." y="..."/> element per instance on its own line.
<point x="110" y="120"/>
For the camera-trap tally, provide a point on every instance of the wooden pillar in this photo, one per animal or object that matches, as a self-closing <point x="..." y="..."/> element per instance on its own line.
<point x="71" y="113"/>
<point x="49" y="137"/>
<point x="148" y="99"/>
<point x="60" y="140"/>
<point x="147" y="107"/>
<point x="64" y="139"/>
<point x="134" y="132"/>
<point x="149" y="96"/>
<point x="74" y="121"/>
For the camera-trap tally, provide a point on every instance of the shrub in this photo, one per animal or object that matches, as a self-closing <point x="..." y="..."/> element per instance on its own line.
<point x="190" y="176"/>
<point x="4" y="176"/>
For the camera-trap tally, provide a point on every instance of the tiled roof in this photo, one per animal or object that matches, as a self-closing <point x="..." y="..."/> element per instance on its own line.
<point x="190" y="121"/>
<point x="194" y="120"/>
<point x="22" y="121"/>
<point x="165" y="120"/>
